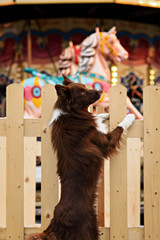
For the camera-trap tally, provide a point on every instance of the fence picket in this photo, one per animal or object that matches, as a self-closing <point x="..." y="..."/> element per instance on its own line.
<point x="118" y="169"/>
<point x="15" y="163"/>
<point x="29" y="180"/>
<point x="101" y="209"/>
<point x="133" y="172"/>
<point x="49" y="185"/>
<point x="152" y="163"/>
<point x="3" y="181"/>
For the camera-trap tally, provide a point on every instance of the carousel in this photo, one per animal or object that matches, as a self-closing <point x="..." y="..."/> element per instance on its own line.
<point x="98" y="43"/>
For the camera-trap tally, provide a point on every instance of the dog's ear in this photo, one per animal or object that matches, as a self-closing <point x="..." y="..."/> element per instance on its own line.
<point x="62" y="91"/>
<point x="66" y="80"/>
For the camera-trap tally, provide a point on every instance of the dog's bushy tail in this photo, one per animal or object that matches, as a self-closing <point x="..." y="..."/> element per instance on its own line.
<point x="42" y="236"/>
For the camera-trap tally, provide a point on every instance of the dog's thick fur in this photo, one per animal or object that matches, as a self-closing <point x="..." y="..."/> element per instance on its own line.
<point x="81" y="142"/>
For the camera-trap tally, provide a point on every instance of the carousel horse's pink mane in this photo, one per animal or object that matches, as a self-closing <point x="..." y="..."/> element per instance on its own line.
<point x="92" y="53"/>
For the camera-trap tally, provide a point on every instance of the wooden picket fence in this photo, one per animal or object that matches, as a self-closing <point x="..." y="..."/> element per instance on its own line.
<point x="118" y="204"/>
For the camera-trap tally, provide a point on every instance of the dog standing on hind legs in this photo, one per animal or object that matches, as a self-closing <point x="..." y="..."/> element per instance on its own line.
<point x="81" y="140"/>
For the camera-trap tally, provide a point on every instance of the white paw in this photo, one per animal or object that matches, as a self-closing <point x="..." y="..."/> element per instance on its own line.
<point x="130" y="118"/>
<point x="127" y="121"/>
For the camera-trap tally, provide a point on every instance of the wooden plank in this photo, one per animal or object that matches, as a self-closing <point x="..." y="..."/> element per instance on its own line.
<point x="133" y="233"/>
<point x="49" y="185"/>
<point x="29" y="180"/>
<point x="118" y="169"/>
<point x="104" y="190"/>
<point x="100" y="198"/>
<point x="15" y="163"/>
<point x="136" y="233"/>
<point x="32" y="128"/>
<point x="104" y="233"/>
<point x="2" y="181"/>
<point x="27" y="231"/>
<point x="31" y="230"/>
<point x="152" y="162"/>
<point x="136" y="130"/>
<point x="2" y="127"/>
<point x="38" y="148"/>
<point x="133" y="171"/>
<point x="107" y="193"/>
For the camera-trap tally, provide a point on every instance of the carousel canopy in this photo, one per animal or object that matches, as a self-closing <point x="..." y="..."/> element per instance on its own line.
<point x="149" y="3"/>
<point x="144" y="11"/>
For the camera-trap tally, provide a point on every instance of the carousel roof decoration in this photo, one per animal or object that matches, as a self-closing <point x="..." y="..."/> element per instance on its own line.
<point x="147" y="3"/>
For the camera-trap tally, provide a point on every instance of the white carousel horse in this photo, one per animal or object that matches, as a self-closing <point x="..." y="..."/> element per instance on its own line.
<point x="90" y="57"/>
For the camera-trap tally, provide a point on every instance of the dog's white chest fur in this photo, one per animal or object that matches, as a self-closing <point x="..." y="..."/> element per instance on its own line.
<point x="56" y="114"/>
<point x="100" y="122"/>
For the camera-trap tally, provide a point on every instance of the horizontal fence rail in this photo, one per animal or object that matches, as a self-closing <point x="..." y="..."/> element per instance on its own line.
<point x="32" y="128"/>
<point x="118" y="202"/>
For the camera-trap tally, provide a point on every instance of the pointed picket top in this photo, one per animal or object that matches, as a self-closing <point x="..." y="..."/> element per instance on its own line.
<point x="15" y="87"/>
<point x="49" y="97"/>
<point x="151" y="103"/>
<point x="118" y="86"/>
<point x="151" y="93"/>
<point x="150" y="88"/>
<point x="15" y="96"/>
<point x="117" y="104"/>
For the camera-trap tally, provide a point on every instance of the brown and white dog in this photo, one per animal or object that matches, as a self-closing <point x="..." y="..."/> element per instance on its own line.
<point x="82" y="140"/>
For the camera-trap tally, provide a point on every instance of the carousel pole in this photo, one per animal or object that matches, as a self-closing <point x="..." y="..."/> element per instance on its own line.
<point x="29" y="44"/>
<point x="47" y="47"/>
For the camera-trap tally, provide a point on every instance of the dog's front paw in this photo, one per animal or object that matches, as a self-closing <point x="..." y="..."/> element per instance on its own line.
<point x="127" y="122"/>
<point x="130" y="118"/>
